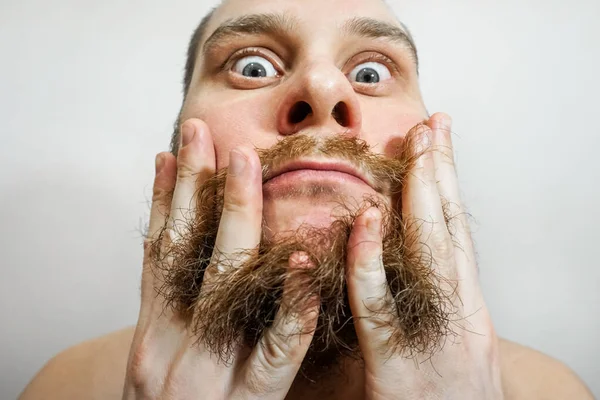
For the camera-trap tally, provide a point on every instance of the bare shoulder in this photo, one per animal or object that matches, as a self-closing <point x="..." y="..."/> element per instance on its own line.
<point x="94" y="369"/>
<point x="529" y="374"/>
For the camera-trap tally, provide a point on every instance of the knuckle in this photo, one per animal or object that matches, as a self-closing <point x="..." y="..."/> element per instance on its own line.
<point x="365" y="255"/>
<point x="185" y="171"/>
<point x="160" y="195"/>
<point x="264" y="375"/>
<point x="442" y="251"/>
<point x="441" y="245"/>
<point x="234" y="202"/>
<point x="447" y="155"/>
<point x="371" y="249"/>
<point x="275" y="357"/>
<point x="276" y="352"/>
<point x="368" y="269"/>
<point x="435" y="237"/>
<point x="147" y="247"/>
<point x="421" y="172"/>
<point x="256" y="381"/>
<point x="448" y="160"/>
<point x="240" y="197"/>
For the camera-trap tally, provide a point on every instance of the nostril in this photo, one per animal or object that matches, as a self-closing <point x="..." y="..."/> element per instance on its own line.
<point x="299" y="112"/>
<point x="340" y="114"/>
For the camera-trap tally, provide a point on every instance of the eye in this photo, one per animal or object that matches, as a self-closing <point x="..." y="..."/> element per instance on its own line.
<point x="370" y="73"/>
<point x="255" y="67"/>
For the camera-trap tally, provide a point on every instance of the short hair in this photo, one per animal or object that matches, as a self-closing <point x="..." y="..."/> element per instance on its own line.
<point x="190" y="64"/>
<point x="192" y="51"/>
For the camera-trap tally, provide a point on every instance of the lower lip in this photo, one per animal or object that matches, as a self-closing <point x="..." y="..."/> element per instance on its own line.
<point x="301" y="176"/>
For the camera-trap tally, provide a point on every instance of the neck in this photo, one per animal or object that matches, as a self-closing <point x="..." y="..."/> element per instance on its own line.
<point x="348" y="385"/>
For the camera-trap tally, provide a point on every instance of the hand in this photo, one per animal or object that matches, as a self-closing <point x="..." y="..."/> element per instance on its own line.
<point x="165" y="360"/>
<point x="468" y="366"/>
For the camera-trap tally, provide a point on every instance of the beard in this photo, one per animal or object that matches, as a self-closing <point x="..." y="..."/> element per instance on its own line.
<point x="233" y="312"/>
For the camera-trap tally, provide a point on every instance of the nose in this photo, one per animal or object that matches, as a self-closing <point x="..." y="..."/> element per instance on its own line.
<point x="320" y="97"/>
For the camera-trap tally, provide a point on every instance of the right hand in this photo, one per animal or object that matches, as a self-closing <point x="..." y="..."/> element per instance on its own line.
<point x="165" y="359"/>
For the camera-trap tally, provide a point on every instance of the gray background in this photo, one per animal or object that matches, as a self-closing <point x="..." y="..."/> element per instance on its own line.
<point x="88" y="94"/>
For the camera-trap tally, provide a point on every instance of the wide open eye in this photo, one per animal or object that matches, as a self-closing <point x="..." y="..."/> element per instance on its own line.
<point x="370" y="73"/>
<point x="255" y="67"/>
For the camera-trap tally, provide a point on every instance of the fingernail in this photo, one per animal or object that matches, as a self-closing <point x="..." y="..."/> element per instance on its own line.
<point x="159" y="163"/>
<point x="237" y="162"/>
<point x="374" y="221"/>
<point x="187" y="133"/>
<point x="299" y="260"/>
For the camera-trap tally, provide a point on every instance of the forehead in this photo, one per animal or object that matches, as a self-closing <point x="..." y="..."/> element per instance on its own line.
<point x="312" y="15"/>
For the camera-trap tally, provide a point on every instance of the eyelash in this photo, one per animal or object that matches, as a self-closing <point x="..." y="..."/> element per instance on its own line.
<point x="378" y="57"/>
<point x="238" y="55"/>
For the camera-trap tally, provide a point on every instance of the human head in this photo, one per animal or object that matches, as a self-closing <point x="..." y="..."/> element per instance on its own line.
<point x="340" y="78"/>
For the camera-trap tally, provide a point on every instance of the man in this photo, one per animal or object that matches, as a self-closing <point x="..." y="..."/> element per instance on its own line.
<point x="335" y="262"/>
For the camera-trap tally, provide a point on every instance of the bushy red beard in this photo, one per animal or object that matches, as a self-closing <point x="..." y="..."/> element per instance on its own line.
<point x="242" y="301"/>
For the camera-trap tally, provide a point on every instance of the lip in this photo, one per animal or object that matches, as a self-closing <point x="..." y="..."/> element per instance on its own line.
<point x="320" y="165"/>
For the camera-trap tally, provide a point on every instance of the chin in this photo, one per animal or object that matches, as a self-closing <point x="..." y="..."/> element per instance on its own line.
<point x="289" y="205"/>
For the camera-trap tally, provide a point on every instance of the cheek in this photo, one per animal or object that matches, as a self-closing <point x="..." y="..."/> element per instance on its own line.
<point x="234" y="121"/>
<point x="386" y="123"/>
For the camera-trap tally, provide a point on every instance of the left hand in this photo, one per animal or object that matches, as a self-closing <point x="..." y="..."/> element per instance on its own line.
<point x="465" y="368"/>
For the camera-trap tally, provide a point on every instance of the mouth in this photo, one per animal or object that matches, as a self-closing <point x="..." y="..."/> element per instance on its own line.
<point x="335" y="170"/>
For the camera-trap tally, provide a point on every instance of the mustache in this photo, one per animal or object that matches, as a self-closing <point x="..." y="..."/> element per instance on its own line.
<point x="386" y="172"/>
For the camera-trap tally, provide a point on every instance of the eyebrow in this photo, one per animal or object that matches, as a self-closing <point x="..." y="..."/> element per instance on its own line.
<point x="253" y="24"/>
<point x="282" y="24"/>
<point x="377" y="29"/>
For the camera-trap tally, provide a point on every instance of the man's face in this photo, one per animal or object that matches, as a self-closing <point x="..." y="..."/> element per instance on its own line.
<point x="319" y="68"/>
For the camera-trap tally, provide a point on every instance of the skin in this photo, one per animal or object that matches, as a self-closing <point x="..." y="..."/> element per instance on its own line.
<point x="222" y="123"/>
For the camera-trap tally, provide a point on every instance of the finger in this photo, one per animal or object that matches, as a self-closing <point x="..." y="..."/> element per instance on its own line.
<point x="164" y="183"/>
<point x="422" y="208"/>
<point x="447" y="179"/>
<point x="162" y="192"/>
<point x="368" y="290"/>
<point x="274" y="363"/>
<point x="195" y="161"/>
<point x="195" y="164"/>
<point x="240" y="225"/>
<point x="151" y="302"/>
<point x="174" y="190"/>
<point x="449" y="189"/>
<point x="161" y="342"/>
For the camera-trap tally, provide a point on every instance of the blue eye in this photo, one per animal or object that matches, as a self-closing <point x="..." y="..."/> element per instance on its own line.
<point x="255" y="67"/>
<point x="370" y="73"/>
